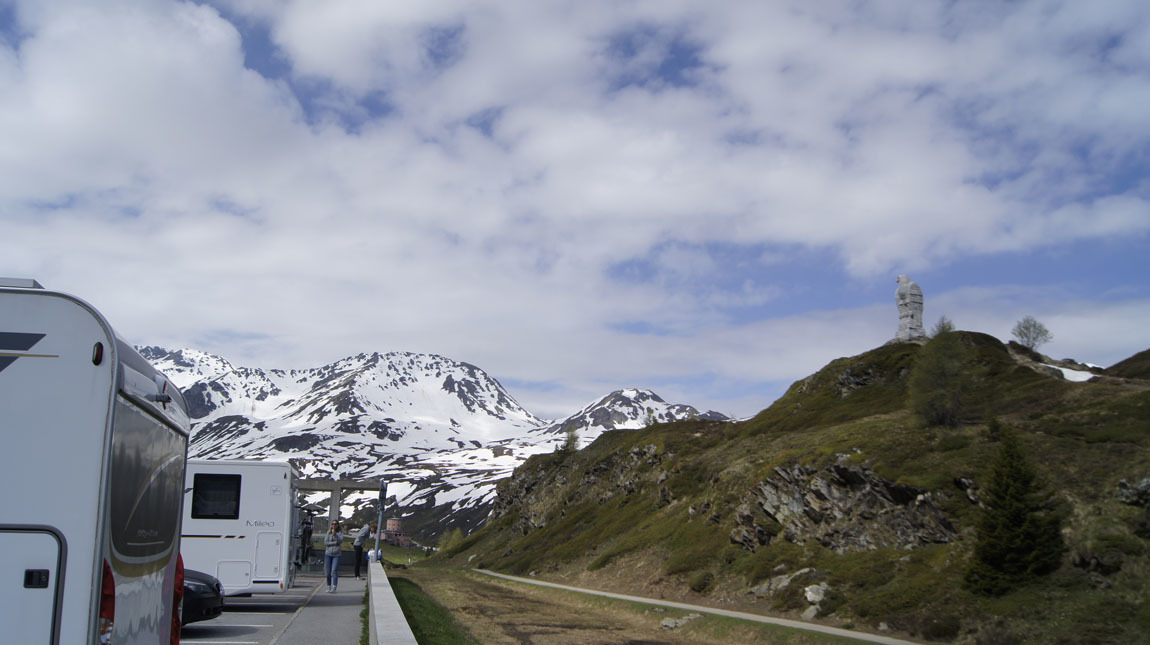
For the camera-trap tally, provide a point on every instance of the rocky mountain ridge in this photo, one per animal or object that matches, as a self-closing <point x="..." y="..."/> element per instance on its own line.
<point x="442" y="432"/>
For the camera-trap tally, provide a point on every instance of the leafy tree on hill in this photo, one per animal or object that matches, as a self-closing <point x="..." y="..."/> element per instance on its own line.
<point x="1020" y="532"/>
<point x="1031" y="333"/>
<point x="941" y="374"/>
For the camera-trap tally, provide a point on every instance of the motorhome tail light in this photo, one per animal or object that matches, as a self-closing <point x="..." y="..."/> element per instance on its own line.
<point x="178" y="601"/>
<point x="107" y="620"/>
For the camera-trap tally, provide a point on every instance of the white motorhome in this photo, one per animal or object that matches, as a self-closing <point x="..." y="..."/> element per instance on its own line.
<point x="241" y="521"/>
<point x="92" y="464"/>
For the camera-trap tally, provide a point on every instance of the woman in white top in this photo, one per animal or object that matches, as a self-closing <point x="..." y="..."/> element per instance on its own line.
<point x="333" y="545"/>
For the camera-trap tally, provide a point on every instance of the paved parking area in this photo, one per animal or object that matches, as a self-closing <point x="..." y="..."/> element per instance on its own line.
<point x="305" y="614"/>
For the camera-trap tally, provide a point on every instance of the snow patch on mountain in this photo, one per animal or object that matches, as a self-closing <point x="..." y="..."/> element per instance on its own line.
<point x="442" y="432"/>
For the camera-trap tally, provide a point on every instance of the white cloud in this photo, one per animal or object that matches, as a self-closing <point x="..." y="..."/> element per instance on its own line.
<point x="524" y="150"/>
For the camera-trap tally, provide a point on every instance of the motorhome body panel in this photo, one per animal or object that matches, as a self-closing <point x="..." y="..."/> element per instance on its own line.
<point x="56" y="420"/>
<point x="89" y="466"/>
<point x="241" y="522"/>
<point x="145" y="491"/>
<point x="31" y="582"/>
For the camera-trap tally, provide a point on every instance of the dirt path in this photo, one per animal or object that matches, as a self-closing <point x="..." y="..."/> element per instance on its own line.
<point x="870" y="638"/>
<point x="502" y="611"/>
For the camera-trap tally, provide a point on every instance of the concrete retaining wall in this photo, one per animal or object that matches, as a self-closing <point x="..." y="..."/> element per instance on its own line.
<point x="386" y="624"/>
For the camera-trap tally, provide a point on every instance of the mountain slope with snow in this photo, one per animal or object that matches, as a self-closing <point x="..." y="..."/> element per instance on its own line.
<point x="442" y="432"/>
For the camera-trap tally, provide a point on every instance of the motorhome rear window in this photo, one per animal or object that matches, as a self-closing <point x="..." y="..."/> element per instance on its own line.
<point x="216" y="497"/>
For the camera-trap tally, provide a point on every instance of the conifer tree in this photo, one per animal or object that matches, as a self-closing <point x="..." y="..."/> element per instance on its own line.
<point x="1019" y="534"/>
<point x="944" y="325"/>
<point x="940" y="377"/>
<point x="571" y="442"/>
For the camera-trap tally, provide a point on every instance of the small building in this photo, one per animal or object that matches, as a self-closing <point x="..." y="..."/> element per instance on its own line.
<point x="394" y="534"/>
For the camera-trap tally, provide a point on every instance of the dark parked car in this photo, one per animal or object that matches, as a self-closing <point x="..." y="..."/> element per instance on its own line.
<point x="203" y="596"/>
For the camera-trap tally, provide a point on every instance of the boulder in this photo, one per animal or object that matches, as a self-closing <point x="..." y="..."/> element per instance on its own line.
<point x="816" y="593"/>
<point x="778" y="583"/>
<point x="676" y="623"/>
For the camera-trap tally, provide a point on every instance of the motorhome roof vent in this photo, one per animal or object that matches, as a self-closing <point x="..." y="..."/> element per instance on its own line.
<point x="20" y="283"/>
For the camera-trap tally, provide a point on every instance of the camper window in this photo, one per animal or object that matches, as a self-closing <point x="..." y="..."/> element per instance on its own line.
<point x="216" y="497"/>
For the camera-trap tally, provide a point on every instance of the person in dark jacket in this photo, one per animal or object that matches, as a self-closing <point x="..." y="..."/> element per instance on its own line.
<point x="360" y="539"/>
<point x="304" y="543"/>
<point x="333" y="545"/>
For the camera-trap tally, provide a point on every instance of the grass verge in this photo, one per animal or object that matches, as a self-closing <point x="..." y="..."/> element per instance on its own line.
<point x="430" y="622"/>
<point x="364" y="616"/>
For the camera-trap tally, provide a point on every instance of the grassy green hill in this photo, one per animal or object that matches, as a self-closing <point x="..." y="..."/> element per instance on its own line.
<point x="838" y="488"/>
<point x="1137" y="366"/>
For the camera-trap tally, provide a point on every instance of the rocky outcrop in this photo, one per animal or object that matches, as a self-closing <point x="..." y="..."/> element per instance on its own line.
<point x="529" y="494"/>
<point x="843" y="507"/>
<point x="516" y="496"/>
<point x="1134" y="494"/>
<point x="1137" y="495"/>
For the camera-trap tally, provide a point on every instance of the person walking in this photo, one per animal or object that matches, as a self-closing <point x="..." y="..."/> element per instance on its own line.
<point x="333" y="544"/>
<point x="304" y="542"/>
<point x="357" y="544"/>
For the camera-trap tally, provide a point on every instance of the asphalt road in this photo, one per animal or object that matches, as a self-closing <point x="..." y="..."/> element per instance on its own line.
<point x="303" y="614"/>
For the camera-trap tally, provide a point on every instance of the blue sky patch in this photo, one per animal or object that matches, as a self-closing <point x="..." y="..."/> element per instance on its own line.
<point x="484" y="120"/>
<point x="11" y="34"/>
<point x="260" y="53"/>
<point x="650" y="59"/>
<point x="1075" y="267"/>
<point x="748" y="282"/>
<point x="444" y="46"/>
<point x="322" y="102"/>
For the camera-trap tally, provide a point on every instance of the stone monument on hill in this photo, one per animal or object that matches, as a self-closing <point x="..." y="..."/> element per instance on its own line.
<point x="908" y="296"/>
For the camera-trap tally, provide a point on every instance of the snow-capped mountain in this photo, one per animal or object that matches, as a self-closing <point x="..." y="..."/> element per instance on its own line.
<point x="629" y="409"/>
<point x="440" y="431"/>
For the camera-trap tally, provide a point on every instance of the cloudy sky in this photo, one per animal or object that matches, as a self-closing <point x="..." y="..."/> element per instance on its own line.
<point x="708" y="199"/>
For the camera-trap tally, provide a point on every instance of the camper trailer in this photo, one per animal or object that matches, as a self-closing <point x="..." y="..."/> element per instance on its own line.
<point x="241" y="522"/>
<point x="95" y="442"/>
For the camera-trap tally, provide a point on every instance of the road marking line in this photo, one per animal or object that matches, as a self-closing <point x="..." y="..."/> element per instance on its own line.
<point x="275" y="639"/>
